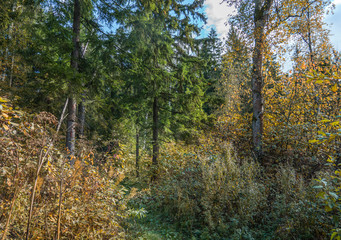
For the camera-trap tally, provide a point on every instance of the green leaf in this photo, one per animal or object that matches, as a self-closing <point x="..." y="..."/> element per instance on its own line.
<point x="334" y="195"/>
<point x="335" y="235"/>
<point x="321" y="195"/>
<point x="328" y="208"/>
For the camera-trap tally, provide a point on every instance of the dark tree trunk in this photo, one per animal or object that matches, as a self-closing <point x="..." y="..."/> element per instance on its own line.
<point x="81" y="106"/>
<point x="4" y="65"/>
<point x="155" y="162"/>
<point x="71" y="123"/>
<point x="11" y="73"/>
<point x="309" y="41"/>
<point x="75" y="55"/>
<point x="260" y="19"/>
<point x="310" y="44"/>
<point x="81" y="117"/>
<point x="137" y="153"/>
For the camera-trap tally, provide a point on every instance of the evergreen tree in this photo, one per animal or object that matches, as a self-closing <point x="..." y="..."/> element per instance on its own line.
<point x="160" y="44"/>
<point x="211" y="51"/>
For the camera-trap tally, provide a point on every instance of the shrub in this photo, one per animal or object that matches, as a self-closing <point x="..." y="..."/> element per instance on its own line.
<point x="212" y="194"/>
<point x="86" y="200"/>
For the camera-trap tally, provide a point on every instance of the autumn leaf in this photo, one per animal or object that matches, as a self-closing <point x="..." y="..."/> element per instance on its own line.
<point x="335" y="123"/>
<point x="3" y="100"/>
<point x="303" y="66"/>
<point x="334" y="88"/>
<point x="5" y="127"/>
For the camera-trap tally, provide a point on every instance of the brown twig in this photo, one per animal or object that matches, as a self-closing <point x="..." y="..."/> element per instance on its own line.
<point x="60" y="202"/>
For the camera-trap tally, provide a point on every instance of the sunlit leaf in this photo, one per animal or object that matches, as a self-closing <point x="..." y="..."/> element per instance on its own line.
<point x="334" y="88"/>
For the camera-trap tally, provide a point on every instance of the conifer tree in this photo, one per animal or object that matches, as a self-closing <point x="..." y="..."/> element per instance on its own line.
<point x="211" y="49"/>
<point x="75" y="56"/>
<point x="159" y="39"/>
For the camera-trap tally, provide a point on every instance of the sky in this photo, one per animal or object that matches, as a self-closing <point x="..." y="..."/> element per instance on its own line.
<point x="333" y="21"/>
<point x="217" y="15"/>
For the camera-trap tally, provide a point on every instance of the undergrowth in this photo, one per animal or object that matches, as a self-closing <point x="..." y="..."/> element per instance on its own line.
<point x="206" y="192"/>
<point x="68" y="198"/>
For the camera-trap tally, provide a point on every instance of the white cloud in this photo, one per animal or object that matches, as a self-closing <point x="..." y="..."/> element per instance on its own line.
<point x="217" y="15"/>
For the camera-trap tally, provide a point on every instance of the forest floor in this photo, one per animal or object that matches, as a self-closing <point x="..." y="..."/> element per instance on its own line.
<point x="153" y="225"/>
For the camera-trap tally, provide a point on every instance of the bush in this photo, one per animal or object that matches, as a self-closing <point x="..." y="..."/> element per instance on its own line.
<point x="87" y="200"/>
<point x="211" y="194"/>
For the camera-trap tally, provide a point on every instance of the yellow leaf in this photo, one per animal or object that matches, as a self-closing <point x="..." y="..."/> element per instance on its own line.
<point x="331" y="137"/>
<point x="324" y="121"/>
<point x="334" y="88"/>
<point x="3" y="100"/>
<point x="5" y="127"/>
<point x="321" y="133"/>
<point x="330" y="159"/>
<point x="335" y="123"/>
<point x="309" y="80"/>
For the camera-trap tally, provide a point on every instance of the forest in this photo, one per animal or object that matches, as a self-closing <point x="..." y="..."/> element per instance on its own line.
<point x="128" y="119"/>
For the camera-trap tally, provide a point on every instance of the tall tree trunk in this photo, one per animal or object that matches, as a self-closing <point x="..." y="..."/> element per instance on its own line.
<point x="145" y="133"/>
<point x="11" y="30"/>
<point x="137" y="153"/>
<point x="260" y="18"/>
<point x="81" y="106"/>
<point x="71" y="123"/>
<point x="310" y="44"/>
<point x="81" y="116"/>
<point x="155" y="162"/>
<point x="11" y="72"/>
<point x="4" y="65"/>
<point x="309" y="40"/>
<point x="7" y="52"/>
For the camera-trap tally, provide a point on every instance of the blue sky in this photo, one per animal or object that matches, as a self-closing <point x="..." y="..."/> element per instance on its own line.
<point x="217" y="17"/>
<point x="334" y="22"/>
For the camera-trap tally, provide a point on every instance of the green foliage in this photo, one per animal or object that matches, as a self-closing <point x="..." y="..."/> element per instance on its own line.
<point x="208" y="193"/>
<point x="211" y="52"/>
<point x="151" y="227"/>
<point x="330" y="194"/>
